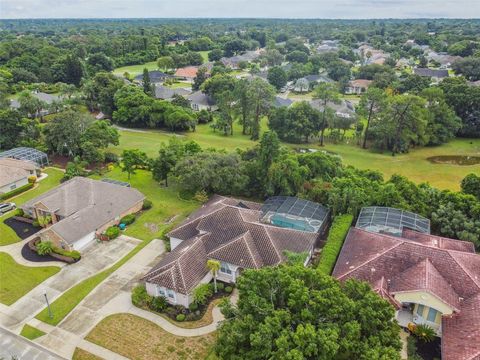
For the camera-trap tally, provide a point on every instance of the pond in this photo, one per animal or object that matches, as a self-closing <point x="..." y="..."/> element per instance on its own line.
<point x="455" y="160"/>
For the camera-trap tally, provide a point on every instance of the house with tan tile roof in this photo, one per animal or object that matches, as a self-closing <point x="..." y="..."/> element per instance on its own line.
<point x="15" y="173"/>
<point x="429" y="279"/>
<point x="240" y="235"/>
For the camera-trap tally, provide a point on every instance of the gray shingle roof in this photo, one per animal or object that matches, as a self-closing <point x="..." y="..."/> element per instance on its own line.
<point x="164" y="93"/>
<point x="431" y="72"/>
<point x="228" y="230"/>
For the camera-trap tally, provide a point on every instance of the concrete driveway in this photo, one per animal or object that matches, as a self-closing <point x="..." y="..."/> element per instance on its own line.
<point x="95" y="258"/>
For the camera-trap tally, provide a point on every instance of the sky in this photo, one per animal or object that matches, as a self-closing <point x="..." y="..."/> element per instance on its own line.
<point x="322" y="9"/>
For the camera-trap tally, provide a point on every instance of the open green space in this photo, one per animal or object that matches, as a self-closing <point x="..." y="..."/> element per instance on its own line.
<point x="30" y="332"/>
<point x="180" y="84"/>
<point x="135" y="70"/>
<point x="16" y="280"/>
<point x="52" y="180"/>
<point x="204" y="55"/>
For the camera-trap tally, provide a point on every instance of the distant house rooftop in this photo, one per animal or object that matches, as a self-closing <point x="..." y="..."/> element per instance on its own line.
<point x="29" y="154"/>
<point x="279" y="102"/>
<point x="187" y="72"/>
<point x="165" y="93"/>
<point x="155" y="76"/>
<point x="435" y="73"/>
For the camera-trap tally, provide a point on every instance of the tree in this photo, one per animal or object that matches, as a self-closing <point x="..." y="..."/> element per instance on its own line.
<point x="73" y="70"/>
<point x="277" y="77"/>
<point x="234" y="46"/>
<point x="10" y="128"/>
<point x="215" y="55"/>
<point x="468" y="67"/>
<point x="471" y="185"/>
<point x="133" y="106"/>
<point x="326" y="93"/>
<point x="200" y="78"/>
<point x="30" y="105"/>
<point x="262" y="96"/>
<point x="168" y="156"/>
<point x="292" y="312"/>
<point x="285" y="176"/>
<point x="165" y="63"/>
<point x="371" y="104"/>
<point x="99" y="62"/>
<point x="100" y="91"/>
<point x="214" y="266"/>
<point x="147" y="84"/>
<point x="132" y="159"/>
<point x="202" y="293"/>
<point x="297" y="56"/>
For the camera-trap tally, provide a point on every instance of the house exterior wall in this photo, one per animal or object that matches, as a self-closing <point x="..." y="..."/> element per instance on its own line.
<point x="174" y="242"/>
<point x="424" y="314"/>
<point x="134" y="209"/>
<point x="424" y="298"/>
<point x="55" y="239"/>
<point x="14" y="185"/>
<point x="226" y="277"/>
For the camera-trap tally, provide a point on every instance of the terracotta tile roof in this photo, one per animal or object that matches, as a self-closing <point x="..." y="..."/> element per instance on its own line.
<point x="447" y="270"/>
<point x="360" y="83"/>
<point x="228" y="230"/>
<point x="441" y="242"/>
<point x="187" y="72"/>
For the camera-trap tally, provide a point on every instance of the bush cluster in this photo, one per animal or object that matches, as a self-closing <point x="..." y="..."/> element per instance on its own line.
<point x="112" y="232"/>
<point x="336" y="236"/>
<point x="32" y="179"/>
<point x="16" y="191"/>
<point x="147" y="204"/>
<point x="74" y="254"/>
<point x="128" y="219"/>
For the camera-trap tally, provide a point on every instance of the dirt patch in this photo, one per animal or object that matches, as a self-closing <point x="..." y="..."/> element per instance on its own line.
<point x="455" y="160"/>
<point x="152" y="227"/>
<point x="138" y="338"/>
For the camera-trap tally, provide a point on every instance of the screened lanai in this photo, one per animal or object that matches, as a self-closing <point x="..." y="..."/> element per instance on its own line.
<point x="24" y="153"/>
<point x="379" y="219"/>
<point x="294" y="213"/>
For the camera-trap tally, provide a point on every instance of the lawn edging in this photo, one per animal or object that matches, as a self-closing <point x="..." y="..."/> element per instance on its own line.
<point x="336" y="236"/>
<point x="66" y="302"/>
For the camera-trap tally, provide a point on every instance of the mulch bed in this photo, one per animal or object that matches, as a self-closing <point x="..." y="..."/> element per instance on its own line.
<point x="30" y="255"/>
<point x="22" y="229"/>
<point x="430" y="350"/>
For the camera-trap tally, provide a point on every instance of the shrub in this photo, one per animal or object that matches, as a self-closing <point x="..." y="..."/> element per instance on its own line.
<point x="19" y="212"/>
<point x="128" y="219"/>
<point x="193" y="306"/>
<point x="140" y="297"/>
<point x="336" y="236"/>
<point x="220" y="286"/>
<point x="16" y="191"/>
<point x="44" y="247"/>
<point x="201" y="196"/>
<point x="147" y="204"/>
<point x="35" y="223"/>
<point x="32" y="179"/>
<point x="158" y="303"/>
<point x="180" y="317"/>
<point x="112" y="232"/>
<point x="424" y="332"/>
<point x="228" y="289"/>
<point x="74" y="254"/>
<point x="202" y="293"/>
<point x="43" y="221"/>
<point x="111" y="157"/>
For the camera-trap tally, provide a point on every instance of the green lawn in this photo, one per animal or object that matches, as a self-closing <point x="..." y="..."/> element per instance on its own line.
<point x="135" y="70"/>
<point x="204" y="55"/>
<point x="52" y="180"/>
<point x="17" y="280"/>
<point x="30" y="332"/>
<point x="179" y="84"/>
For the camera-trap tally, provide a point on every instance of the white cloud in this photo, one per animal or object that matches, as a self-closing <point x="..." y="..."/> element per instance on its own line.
<point x="239" y="8"/>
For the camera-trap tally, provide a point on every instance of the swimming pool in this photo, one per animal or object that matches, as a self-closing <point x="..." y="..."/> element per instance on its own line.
<point x="292" y="223"/>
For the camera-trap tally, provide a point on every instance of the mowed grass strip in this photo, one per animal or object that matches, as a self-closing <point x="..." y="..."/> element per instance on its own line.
<point x="81" y="354"/>
<point x="16" y="280"/>
<point x="31" y="332"/>
<point x="8" y="236"/>
<point x="141" y="339"/>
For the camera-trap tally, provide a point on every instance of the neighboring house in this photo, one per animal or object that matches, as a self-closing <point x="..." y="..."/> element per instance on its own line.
<point x="343" y="109"/>
<point x="429" y="280"/>
<point x="155" y="77"/>
<point x="201" y="101"/>
<point x="188" y="73"/>
<point x="306" y="83"/>
<point x="435" y="74"/>
<point x="443" y="59"/>
<point x="328" y="46"/>
<point x="28" y="154"/>
<point x="302" y="85"/>
<point x="46" y="98"/>
<point x="358" y="86"/>
<point x="81" y="209"/>
<point x="279" y="102"/>
<point x="247" y="57"/>
<point x="240" y="235"/>
<point x="15" y="173"/>
<point x="371" y="55"/>
<point x="166" y="93"/>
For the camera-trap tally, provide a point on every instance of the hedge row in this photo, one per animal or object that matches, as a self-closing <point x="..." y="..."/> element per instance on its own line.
<point x="337" y="234"/>
<point x="16" y="191"/>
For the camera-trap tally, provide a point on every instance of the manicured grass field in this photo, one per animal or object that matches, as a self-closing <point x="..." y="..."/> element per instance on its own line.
<point x="16" y="280"/>
<point x="412" y="165"/>
<point x="8" y="236"/>
<point x="141" y="339"/>
<point x="204" y="55"/>
<point x="135" y="70"/>
<point x="30" y="332"/>
<point x="180" y="84"/>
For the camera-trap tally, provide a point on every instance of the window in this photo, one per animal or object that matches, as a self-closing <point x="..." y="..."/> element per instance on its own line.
<point x="432" y="314"/>
<point x="14" y="186"/>
<point x="170" y="294"/>
<point x="420" y="310"/>
<point x="161" y="291"/>
<point x="224" y="268"/>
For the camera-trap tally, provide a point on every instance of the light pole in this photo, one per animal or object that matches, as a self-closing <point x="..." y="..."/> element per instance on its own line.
<point x="50" y="315"/>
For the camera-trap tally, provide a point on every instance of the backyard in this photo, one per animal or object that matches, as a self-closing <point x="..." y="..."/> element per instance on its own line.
<point x="414" y="164"/>
<point x="138" y="338"/>
<point x="17" y="280"/>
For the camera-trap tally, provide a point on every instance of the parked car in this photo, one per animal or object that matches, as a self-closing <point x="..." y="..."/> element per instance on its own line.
<point x="5" y="207"/>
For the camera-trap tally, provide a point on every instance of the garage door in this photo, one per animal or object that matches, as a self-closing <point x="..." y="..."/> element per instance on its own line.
<point x="83" y="242"/>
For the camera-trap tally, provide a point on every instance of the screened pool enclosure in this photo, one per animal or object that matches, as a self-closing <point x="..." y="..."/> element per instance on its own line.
<point x="24" y="153"/>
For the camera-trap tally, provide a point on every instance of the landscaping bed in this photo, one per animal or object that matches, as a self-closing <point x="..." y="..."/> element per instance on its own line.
<point x="32" y="255"/>
<point x="57" y="254"/>
<point x="22" y="229"/>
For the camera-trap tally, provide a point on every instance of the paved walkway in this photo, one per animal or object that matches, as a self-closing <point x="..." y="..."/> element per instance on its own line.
<point x="15" y="251"/>
<point x="15" y="345"/>
<point x="97" y="257"/>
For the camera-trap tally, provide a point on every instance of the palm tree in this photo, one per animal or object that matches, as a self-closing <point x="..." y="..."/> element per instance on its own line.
<point x="424" y="332"/>
<point x="214" y="266"/>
